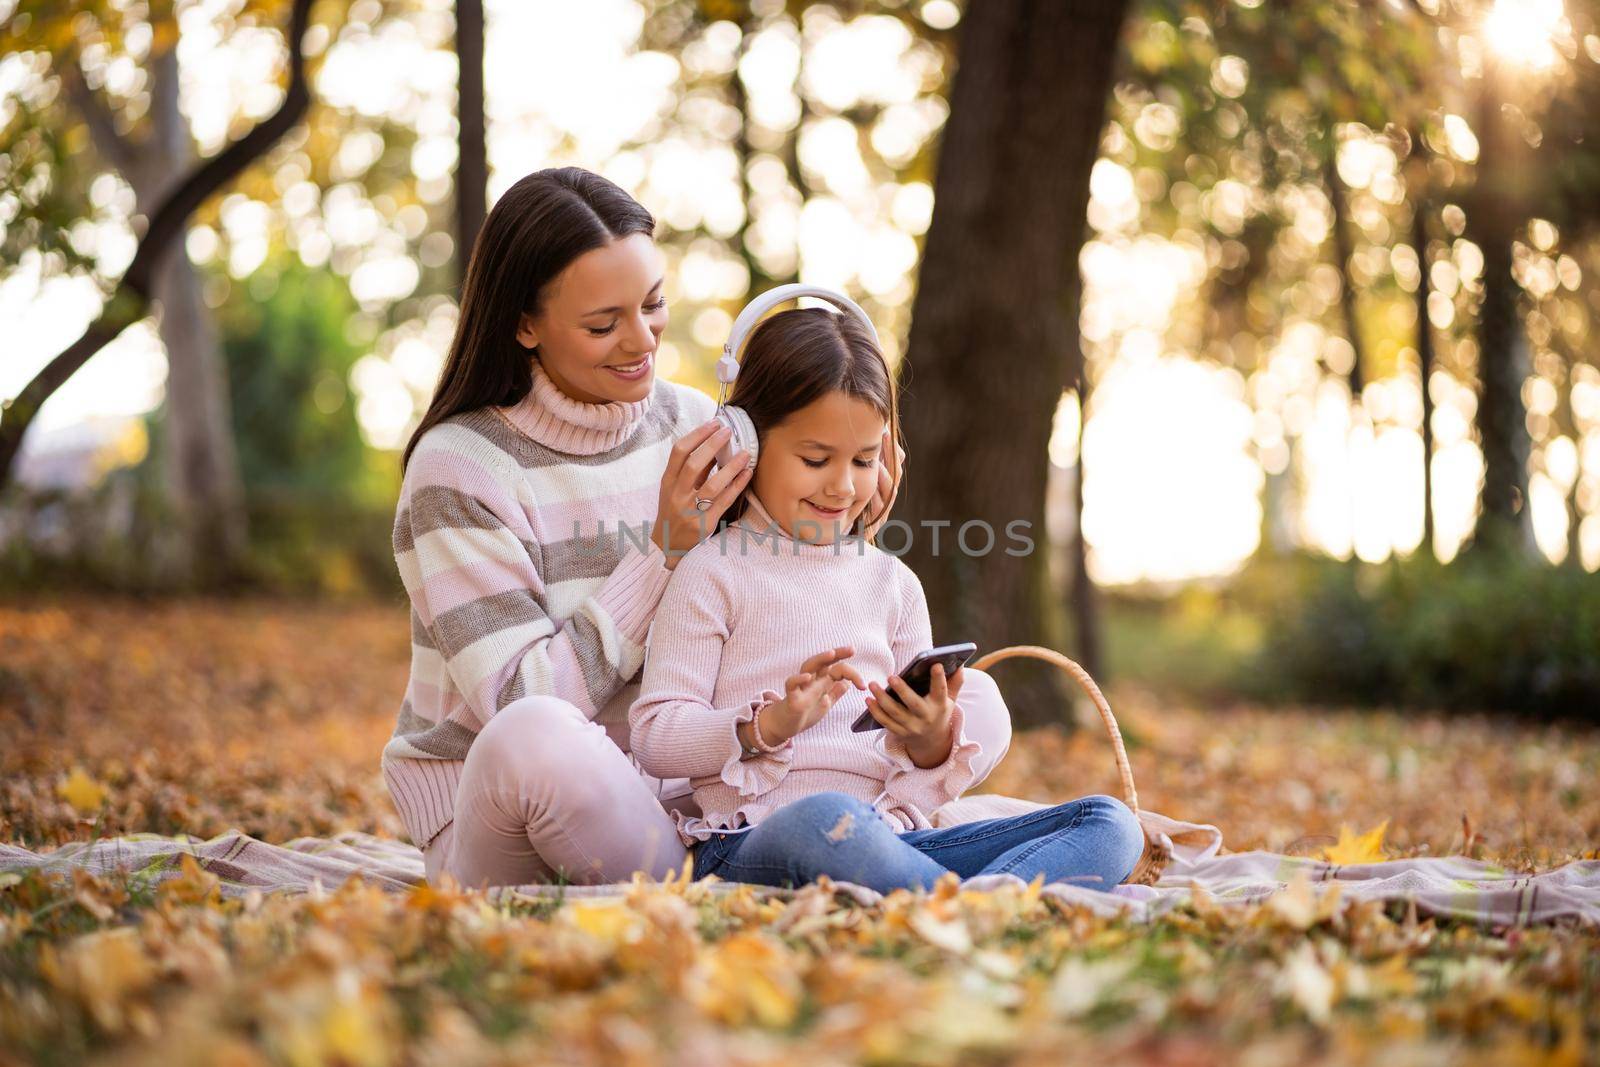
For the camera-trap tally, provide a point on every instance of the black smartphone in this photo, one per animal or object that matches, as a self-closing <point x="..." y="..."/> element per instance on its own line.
<point x="918" y="674"/>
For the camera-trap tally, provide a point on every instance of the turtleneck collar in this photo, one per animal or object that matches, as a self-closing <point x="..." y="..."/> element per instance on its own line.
<point x="554" y="419"/>
<point x="759" y="520"/>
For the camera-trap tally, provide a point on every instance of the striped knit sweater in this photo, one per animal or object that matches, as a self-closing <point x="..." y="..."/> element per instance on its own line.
<point x="739" y="616"/>
<point x="506" y="537"/>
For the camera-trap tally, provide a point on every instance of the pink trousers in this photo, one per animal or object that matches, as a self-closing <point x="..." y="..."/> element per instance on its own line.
<point x="546" y="790"/>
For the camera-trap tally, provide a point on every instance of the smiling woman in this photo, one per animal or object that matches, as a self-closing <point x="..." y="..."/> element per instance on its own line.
<point x="547" y="424"/>
<point x="571" y="277"/>
<point x="605" y="354"/>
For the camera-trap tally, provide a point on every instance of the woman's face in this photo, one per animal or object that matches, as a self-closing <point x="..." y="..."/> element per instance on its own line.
<point x="600" y="323"/>
<point x="817" y="470"/>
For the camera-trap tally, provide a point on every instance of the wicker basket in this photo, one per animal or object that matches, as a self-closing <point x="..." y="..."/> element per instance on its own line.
<point x="1155" y="857"/>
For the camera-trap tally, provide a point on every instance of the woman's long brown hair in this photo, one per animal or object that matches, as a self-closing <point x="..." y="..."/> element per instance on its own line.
<point x="541" y="224"/>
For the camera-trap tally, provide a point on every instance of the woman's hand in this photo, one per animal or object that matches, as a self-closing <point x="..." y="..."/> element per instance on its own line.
<point x="923" y="723"/>
<point x="679" y="524"/>
<point x="808" y="695"/>
<point x="888" y="486"/>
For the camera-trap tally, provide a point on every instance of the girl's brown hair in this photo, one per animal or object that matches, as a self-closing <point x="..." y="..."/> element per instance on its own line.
<point x="542" y="223"/>
<point x="799" y="356"/>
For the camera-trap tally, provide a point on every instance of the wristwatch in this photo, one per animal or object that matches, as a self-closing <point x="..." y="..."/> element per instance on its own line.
<point x="746" y="751"/>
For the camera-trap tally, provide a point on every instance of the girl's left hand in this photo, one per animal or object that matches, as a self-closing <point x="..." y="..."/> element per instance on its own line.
<point x="888" y="486"/>
<point x="923" y="723"/>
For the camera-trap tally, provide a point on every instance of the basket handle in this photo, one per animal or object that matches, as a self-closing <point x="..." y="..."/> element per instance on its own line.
<point x="1081" y="676"/>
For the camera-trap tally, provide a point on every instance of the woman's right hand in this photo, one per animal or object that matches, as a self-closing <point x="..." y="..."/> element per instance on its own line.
<point x="809" y="694"/>
<point x="679" y="524"/>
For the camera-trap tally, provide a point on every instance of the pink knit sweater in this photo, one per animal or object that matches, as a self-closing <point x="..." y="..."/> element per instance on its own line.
<point x="741" y="612"/>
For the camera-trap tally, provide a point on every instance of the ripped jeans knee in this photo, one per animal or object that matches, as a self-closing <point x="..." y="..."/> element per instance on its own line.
<point x="828" y="833"/>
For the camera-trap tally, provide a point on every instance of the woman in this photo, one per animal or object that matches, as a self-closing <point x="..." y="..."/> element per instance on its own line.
<point x="549" y="443"/>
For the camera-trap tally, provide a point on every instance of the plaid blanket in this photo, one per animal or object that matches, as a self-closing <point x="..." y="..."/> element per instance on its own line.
<point x="1444" y="886"/>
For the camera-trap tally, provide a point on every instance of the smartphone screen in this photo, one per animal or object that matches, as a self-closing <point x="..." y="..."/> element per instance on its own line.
<point x="918" y="674"/>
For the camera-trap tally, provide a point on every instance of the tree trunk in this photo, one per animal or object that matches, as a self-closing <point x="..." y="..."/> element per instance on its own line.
<point x="1492" y="222"/>
<point x="1085" y="597"/>
<point x="472" y="161"/>
<point x="1339" y="196"/>
<point x="203" y="478"/>
<point x="1502" y="367"/>
<point x="167" y="219"/>
<point x="992" y="347"/>
<point x="1574" y="509"/>
<point x="1419" y="240"/>
<point x="202" y="465"/>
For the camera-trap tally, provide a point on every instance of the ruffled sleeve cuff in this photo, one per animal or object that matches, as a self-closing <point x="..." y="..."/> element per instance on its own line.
<point x="930" y="788"/>
<point x="758" y="774"/>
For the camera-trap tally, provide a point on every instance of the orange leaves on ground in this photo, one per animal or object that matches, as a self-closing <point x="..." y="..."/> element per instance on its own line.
<point x="609" y="921"/>
<point x="104" y="972"/>
<point x="749" y="978"/>
<point x="679" y="974"/>
<point x="196" y="717"/>
<point x="343" y="1019"/>
<point x="268" y="716"/>
<point x="194" y="885"/>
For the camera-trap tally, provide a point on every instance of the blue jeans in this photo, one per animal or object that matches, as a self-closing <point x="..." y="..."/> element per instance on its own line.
<point x="1093" y="842"/>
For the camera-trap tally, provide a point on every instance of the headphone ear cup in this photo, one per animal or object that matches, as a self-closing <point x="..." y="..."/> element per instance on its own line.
<point x="744" y="434"/>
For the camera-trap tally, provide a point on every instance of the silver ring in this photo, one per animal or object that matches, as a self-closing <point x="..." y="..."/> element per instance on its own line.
<point x="702" y="504"/>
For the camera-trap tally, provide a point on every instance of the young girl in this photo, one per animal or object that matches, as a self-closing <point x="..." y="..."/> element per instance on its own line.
<point x="776" y="632"/>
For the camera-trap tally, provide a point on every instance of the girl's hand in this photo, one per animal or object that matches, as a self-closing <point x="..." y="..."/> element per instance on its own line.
<point x="808" y="694"/>
<point x="923" y="723"/>
<point x="679" y="524"/>
<point x="888" y="487"/>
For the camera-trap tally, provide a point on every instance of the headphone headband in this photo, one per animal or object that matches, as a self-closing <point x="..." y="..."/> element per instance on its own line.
<point x="728" y="365"/>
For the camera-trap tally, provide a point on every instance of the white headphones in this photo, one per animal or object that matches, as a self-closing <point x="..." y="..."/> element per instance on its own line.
<point x="736" y="418"/>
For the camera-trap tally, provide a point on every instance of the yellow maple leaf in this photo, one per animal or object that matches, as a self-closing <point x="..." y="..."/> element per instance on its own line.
<point x="1357" y="848"/>
<point x="608" y="921"/>
<point x="84" y="793"/>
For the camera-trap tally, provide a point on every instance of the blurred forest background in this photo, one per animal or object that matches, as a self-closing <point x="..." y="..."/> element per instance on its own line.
<point x="1278" y="320"/>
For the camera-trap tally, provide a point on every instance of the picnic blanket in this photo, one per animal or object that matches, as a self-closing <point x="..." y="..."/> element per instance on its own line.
<point x="1444" y="886"/>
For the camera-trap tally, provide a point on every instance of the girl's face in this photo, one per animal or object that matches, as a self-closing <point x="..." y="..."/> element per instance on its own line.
<point x="817" y="470"/>
<point x="600" y="323"/>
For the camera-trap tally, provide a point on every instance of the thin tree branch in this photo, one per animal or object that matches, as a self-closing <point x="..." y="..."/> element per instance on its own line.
<point x="133" y="293"/>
